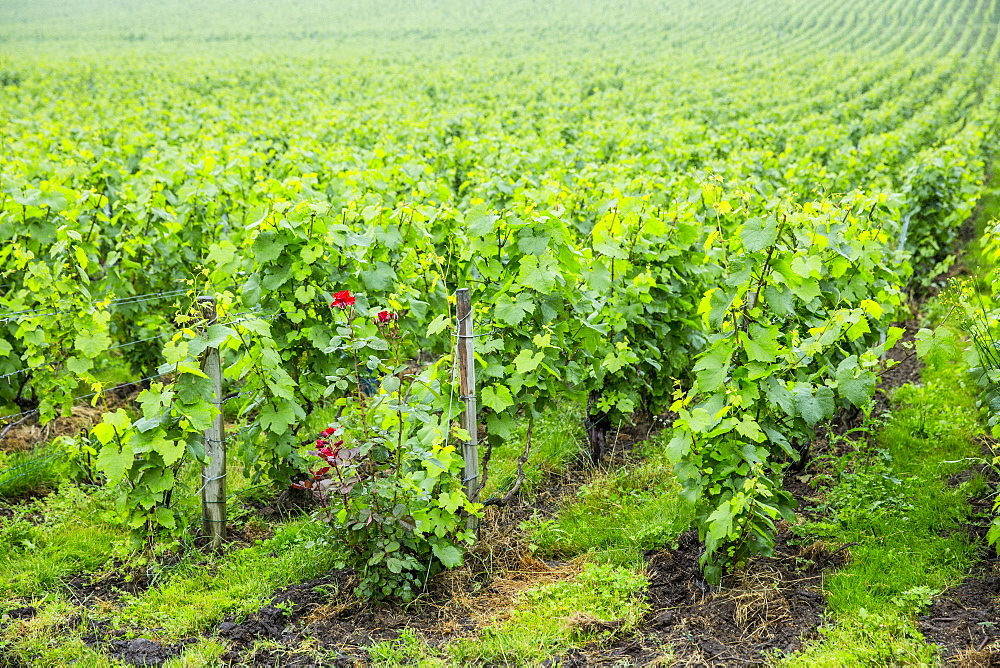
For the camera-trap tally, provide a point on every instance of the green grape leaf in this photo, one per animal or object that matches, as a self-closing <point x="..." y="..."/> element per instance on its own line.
<point x="808" y="266"/>
<point x="497" y="397"/>
<point x="222" y="252"/>
<point x="449" y="555"/>
<point x="748" y="428"/>
<point x="531" y="245"/>
<point x="720" y="522"/>
<point x="813" y="407"/>
<point x="762" y="343"/>
<point x="438" y="324"/>
<point x="713" y="366"/>
<point x="527" y="361"/>
<point x="512" y="312"/>
<point x="936" y="344"/>
<point x="781" y="300"/>
<point x="538" y="273"/>
<point x="175" y="351"/>
<point x="267" y="247"/>
<point x="113" y="424"/>
<point x="854" y="383"/>
<point x="114" y="461"/>
<point x="79" y="365"/>
<point x="92" y="343"/>
<point x="479" y="221"/>
<point x="758" y="233"/>
<point x="165" y="517"/>
<point x="276" y="420"/>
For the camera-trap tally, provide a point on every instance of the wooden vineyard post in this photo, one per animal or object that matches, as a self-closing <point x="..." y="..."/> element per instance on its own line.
<point x="467" y="386"/>
<point x="213" y="474"/>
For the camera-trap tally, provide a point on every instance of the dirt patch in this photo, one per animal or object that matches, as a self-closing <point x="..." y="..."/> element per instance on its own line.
<point x="907" y="367"/>
<point x="140" y="651"/>
<point x="26" y="435"/>
<point x="286" y="505"/>
<point x="144" y="652"/>
<point x="965" y="620"/>
<point x="13" y="506"/>
<point x="322" y="617"/>
<point x="775" y="603"/>
<point x="772" y="605"/>
<point x="27" y="432"/>
<point x="88" y="590"/>
<point x="625" y="437"/>
<point x="277" y="621"/>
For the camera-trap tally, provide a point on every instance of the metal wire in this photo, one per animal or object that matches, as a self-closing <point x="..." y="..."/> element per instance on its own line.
<point x="133" y="343"/>
<point x="17" y="415"/>
<point x="266" y="316"/>
<point x="247" y="490"/>
<point x="29" y="463"/>
<point x="40" y="463"/>
<point x="5" y="418"/>
<point x="239" y="433"/>
<point x="205" y="484"/>
<point x="236" y="396"/>
<point x="122" y="301"/>
<point x="25" y="370"/>
<point x="118" y="387"/>
<point x="117" y="347"/>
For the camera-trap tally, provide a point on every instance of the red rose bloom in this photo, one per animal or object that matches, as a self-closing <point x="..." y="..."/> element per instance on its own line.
<point x="342" y="299"/>
<point x="384" y="317"/>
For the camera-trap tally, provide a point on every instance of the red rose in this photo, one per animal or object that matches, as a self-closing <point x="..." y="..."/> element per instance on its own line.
<point x="342" y="299"/>
<point x="384" y="317"/>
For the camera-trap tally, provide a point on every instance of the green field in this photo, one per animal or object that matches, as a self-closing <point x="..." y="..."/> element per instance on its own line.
<point x="696" y="236"/>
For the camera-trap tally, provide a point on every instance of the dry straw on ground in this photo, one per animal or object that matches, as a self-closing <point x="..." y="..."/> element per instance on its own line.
<point x="29" y="434"/>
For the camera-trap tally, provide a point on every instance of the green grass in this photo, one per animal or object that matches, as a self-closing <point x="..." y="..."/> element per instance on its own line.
<point x="206" y="652"/>
<point x="866" y="639"/>
<point x="893" y="499"/>
<point x="198" y="596"/>
<point x="52" y="638"/>
<point x="74" y="535"/>
<point x="644" y="502"/>
<point x="551" y="619"/>
<point x="990" y="202"/>
<point x="72" y="531"/>
<point x="547" y="621"/>
<point x="556" y="439"/>
<point x="190" y="597"/>
<point x="601" y="601"/>
<point x="39" y="470"/>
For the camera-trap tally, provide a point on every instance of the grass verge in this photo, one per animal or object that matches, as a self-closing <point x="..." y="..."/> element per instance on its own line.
<point x="892" y="503"/>
<point x="644" y="503"/>
<point x="598" y="603"/>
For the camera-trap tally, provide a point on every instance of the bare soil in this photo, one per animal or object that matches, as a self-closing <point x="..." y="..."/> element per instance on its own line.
<point x="775" y="603"/>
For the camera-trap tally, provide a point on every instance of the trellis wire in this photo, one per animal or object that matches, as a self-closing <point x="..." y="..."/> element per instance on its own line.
<point x="117" y="347"/>
<point x="39" y="463"/>
<point x="5" y="418"/>
<point x="122" y="301"/>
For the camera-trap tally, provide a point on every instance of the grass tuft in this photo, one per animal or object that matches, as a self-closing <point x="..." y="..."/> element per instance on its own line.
<point x="644" y="502"/>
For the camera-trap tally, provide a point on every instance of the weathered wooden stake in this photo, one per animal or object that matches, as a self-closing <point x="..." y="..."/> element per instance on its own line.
<point x="213" y="474"/>
<point x="467" y="386"/>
